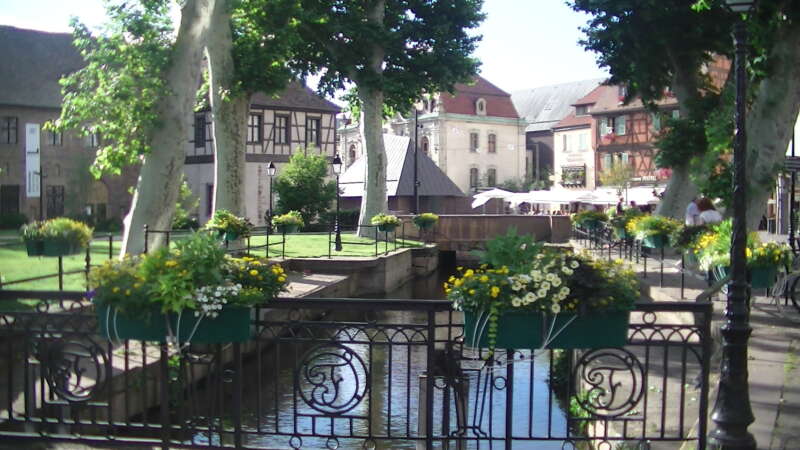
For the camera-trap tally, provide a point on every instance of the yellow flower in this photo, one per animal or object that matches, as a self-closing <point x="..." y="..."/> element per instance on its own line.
<point x="748" y="253"/>
<point x="137" y="285"/>
<point x="458" y="282"/>
<point x="254" y="272"/>
<point x="281" y="278"/>
<point x="469" y="273"/>
<point x="171" y="263"/>
<point x="127" y="292"/>
<point x="115" y="290"/>
<point x="472" y="292"/>
<point x="494" y="291"/>
<point x="484" y="279"/>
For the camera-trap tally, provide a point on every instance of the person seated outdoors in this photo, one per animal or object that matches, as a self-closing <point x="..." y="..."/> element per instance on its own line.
<point x="708" y="214"/>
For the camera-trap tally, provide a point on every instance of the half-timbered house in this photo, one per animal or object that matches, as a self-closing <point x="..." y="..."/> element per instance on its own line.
<point x="294" y="120"/>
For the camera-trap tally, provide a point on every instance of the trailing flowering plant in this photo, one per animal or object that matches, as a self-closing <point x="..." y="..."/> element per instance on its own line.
<point x="588" y="216"/>
<point x="552" y="281"/>
<point x="685" y="237"/>
<point x="714" y="247"/>
<point x="650" y="225"/>
<point x="425" y="220"/>
<point x="622" y="220"/>
<point x="384" y="219"/>
<point x="195" y="275"/>
<point x="291" y="218"/>
<point x="225" y="221"/>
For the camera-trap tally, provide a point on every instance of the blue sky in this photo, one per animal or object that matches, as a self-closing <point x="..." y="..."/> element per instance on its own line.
<point x="526" y="43"/>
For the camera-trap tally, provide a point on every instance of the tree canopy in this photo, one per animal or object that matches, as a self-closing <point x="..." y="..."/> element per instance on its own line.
<point x="301" y="186"/>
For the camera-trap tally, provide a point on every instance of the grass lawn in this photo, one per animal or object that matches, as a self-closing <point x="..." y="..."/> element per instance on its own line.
<point x="15" y="264"/>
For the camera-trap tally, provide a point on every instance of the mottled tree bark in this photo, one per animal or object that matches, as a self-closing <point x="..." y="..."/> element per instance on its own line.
<point x="160" y="177"/>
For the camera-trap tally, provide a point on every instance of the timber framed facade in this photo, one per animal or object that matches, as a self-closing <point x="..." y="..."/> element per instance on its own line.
<point x="277" y="127"/>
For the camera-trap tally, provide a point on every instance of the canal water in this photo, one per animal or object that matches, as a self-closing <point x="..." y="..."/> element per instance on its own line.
<point x="393" y="406"/>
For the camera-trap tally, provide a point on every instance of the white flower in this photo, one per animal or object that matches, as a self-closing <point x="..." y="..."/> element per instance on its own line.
<point x="556" y="308"/>
<point x="541" y="293"/>
<point x="516" y="302"/>
<point x="567" y="270"/>
<point x="549" y="277"/>
<point x="545" y="285"/>
<point x="556" y="282"/>
<point x="574" y="264"/>
<point x="530" y="298"/>
<point x="564" y="291"/>
<point x="522" y="247"/>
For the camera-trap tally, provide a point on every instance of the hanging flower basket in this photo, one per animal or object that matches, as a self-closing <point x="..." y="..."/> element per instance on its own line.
<point x="529" y="330"/>
<point x="762" y="277"/>
<point x="286" y="228"/>
<point x="387" y="227"/>
<point x="35" y="248"/>
<point x="57" y="247"/>
<point x="655" y="241"/>
<point x="231" y="325"/>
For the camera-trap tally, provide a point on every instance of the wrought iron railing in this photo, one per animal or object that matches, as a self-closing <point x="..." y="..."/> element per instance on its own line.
<point x="348" y="373"/>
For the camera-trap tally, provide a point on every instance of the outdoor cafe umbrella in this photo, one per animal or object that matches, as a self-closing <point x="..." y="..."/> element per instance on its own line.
<point x="481" y="198"/>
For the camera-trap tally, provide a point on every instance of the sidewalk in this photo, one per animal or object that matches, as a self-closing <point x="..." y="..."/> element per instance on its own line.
<point x="773" y="352"/>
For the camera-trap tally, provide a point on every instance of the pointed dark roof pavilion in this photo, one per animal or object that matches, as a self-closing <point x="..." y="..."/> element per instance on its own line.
<point x="400" y="173"/>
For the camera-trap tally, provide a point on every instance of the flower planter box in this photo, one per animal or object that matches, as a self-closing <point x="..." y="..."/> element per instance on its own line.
<point x="591" y="224"/>
<point x="657" y="241"/>
<point x="114" y="325"/>
<point x="231" y="325"/>
<point x="621" y="233"/>
<point x="286" y="228"/>
<point x="59" y="248"/>
<point x="690" y="258"/>
<point x="387" y="227"/>
<point x="34" y="248"/>
<point x="528" y="330"/>
<point x="760" y="277"/>
<point x="425" y="226"/>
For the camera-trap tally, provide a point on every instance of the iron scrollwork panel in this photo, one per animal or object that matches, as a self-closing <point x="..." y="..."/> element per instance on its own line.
<point x="613" y="380"/>
<point x="332" y="379"/>
<point x="74" y="370"/>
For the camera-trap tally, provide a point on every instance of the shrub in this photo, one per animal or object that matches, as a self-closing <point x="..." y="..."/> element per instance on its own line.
<point x="12" y="221"/>
<point x="226" y="222"/>
<point x="384" y="219"/>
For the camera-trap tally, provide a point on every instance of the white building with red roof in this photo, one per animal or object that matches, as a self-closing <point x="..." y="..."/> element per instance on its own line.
<point x="474" y="135"/>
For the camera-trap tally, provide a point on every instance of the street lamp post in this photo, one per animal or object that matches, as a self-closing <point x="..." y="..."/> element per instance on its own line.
<point x="271" y="169"/>
<point x="732" y="413"/>
<point x="416" y="164"/>
<point x="337" y="170"/>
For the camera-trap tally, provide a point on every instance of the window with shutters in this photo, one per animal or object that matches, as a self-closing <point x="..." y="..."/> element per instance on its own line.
<point x="655" y="118"/>
<point x="8" y="130"/>
<point x="620" y="123"/>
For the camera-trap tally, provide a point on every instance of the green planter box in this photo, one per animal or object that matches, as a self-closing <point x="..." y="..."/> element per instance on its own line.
<point x="760" y="277"/>
<point x="690" y="258"/>
<point x="657" y="241"/>
<point x="59" y="248"/>
<point x="231" y="325"/>
<point x="117" y="326"/>
<point x="425" y="226"/>
<point x="387" y="227"/>
<point x="621" y="233"/>
<point x="528" y="330"/>
<point x="286" y="228"/>
<point x="34" y="248"/>
<point x="591" y="224"/>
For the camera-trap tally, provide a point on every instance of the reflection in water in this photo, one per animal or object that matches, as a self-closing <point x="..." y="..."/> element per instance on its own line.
<point x="353" y="382"/>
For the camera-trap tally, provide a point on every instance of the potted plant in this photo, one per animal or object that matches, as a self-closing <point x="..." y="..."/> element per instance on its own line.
<point x="653" y="230"/>
<point x="289" y="222"/>
<point x="56" y="237"/>
<point x="685" y="237"/>
<point x="525" y="295"/>
<point x="589" y="219"/>
<point x="193" y="292"/>
<point x="228" y="225"/>
<point x="33" y="236"/>
<point x="619" y="222"/>
<point x="385" y="222"/>
<point x="764" y="260"/>
<point x="425" y="221"/>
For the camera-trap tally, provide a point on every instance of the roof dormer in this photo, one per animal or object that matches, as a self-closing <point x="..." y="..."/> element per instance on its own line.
<point x="480" y="106"/>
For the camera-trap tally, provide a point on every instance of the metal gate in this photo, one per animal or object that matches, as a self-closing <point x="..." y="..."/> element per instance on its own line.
<point x="349" y="373"/>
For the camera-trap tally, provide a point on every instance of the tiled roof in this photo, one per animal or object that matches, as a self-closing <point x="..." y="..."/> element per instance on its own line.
<point x="296" y="95"/>
<point x="32" y="64"/>
<point x="574" y="121"/>
<point x="607" y="100"/>
<point x="400" y="172"/>
<point x="498" y="102"/>
<point x="543" y="107"/>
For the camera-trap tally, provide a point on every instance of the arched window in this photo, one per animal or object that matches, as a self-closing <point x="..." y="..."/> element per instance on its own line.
<point x="491" y="177"/>
<point x="425" y="145"/>
<point x="473" y="178"/>
<point x="492" y="143"/>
